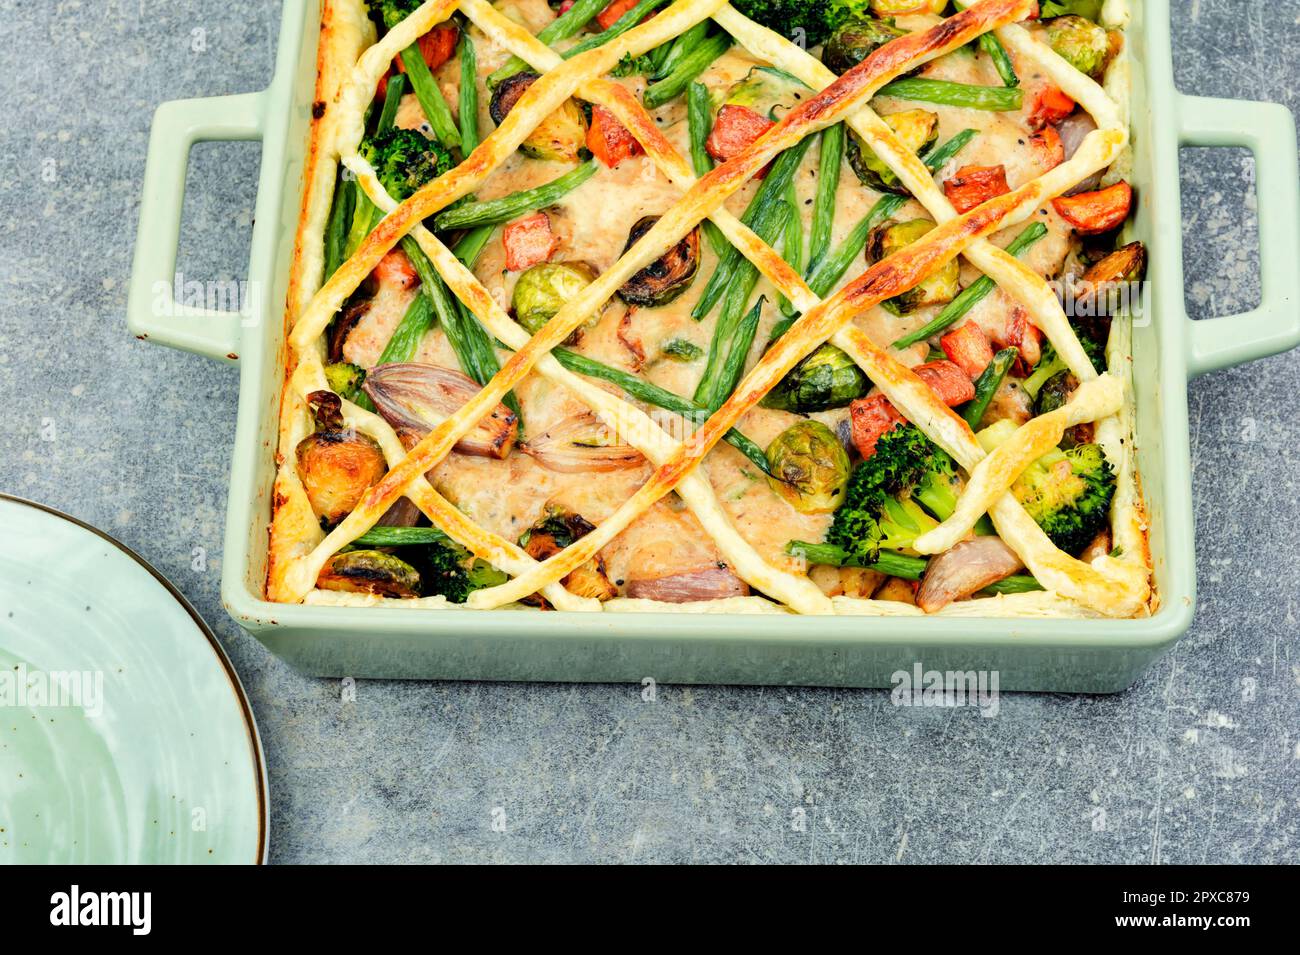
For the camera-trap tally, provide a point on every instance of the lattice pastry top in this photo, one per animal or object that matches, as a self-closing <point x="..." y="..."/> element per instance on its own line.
<point x="605" y="500"/>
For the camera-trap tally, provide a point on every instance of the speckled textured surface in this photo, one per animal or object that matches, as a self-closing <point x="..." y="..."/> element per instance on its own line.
<point x="1196" y="763"/>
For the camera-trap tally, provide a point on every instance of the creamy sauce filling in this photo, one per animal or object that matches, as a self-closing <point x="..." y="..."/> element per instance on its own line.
<point x="592" y="221"/>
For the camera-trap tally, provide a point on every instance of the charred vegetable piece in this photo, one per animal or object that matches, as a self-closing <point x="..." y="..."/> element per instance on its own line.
<point x="552" y="534"/>
<point x="938" y="289"/>
<point x="854" y="40"/>
<point x="1102" y="290"/>
<point x="581" y="444"/>
<point x="1081" y="43"/>
<point x="1092" y="213"/>
<point x="561" y="136"/>
<point x="545" y="289"/>
<point x="668" y="276"/>
<point x="369" y="572"/>
<point x="336" y="464"/>
<point x="971" y="186"/>
<point x="917" y="128"/>
<point x="810" y="467"/>
<point x="828" y="378"/>
<point x="415" y="398"/>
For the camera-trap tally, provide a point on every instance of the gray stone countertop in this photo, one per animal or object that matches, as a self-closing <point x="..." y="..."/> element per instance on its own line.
<point x="1197" y="763"/>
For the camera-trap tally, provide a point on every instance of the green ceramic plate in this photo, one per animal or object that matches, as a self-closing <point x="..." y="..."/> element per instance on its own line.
<point x="124" y="733"/>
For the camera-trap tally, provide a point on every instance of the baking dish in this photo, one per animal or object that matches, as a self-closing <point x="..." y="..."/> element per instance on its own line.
<point x="1029" y="654"/>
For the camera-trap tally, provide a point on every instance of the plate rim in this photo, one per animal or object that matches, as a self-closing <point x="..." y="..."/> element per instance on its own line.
<point x="232" y="676"/>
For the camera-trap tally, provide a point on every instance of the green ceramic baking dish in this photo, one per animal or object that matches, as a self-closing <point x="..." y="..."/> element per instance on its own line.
<point x="1058" y="655"/>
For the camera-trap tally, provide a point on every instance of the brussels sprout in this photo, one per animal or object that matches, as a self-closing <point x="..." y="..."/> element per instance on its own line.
<point x="561" y="136"/>
<point x="1081" y="43"/>
<point x="826" y="379"/>
<point x="854" y="40"/>
<point x="668" y="276"/>
<point x="544" y="289"/>
<point x="336" y="464"/>
<point x="556" y="531"/>
<point x="938" y="289"/>
<point x="370" y="572"/>
<point x="763" y="89"/>
<point x="890" y="8"/>
<point x="917" y="128"/>
<point x="810" y="467"/>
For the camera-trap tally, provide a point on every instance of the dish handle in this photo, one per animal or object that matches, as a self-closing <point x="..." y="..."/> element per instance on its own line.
<point x="1268" y="131"/>
<point x="152" y="310"/>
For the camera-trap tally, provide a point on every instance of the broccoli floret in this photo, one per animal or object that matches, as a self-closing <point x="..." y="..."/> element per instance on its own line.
<point x="1068" y="493"/>
<point x="404" y="160"/>
<point x="389" y="13"/>
<point x="449" y="569"/>
<point x="894" y="496"/>
<point x="803" y="20"/>
<point x="1051" y="364"/>
<point x="345" y="379"/>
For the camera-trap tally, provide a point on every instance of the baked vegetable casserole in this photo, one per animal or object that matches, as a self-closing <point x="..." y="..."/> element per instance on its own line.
<point x="767" y="306"/>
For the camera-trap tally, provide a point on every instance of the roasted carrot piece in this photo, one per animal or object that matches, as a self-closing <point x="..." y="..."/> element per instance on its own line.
<point x="1050" y="107"/>
<point x="528" y="241"/>
<point x="946" y="379"/>
<point x="871" y="418"/>
<point x="395" y="269"/>
<point x="1049" y="151"/>
<point x="609" y="16"/>
<point x="972" y="185"/>
<point x="1093" y="212"/>
<point x="608" y="139"/>
<point x="968" y="347"/>
<point x="734" y="129"/>
<point x="437" y="47"/>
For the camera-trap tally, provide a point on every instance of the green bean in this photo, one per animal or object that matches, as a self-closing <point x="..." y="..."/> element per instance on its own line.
<point x="1015" y="584"/>
<point x="939" y="155"/>
<point x="679" y="47"/>
<point x="340" y="220"/>
<point x="471" y="244"/>
<point x="1001" y="99"/>
<point x="832" y="267"/>
<point x="759" y="212"/>
<point x="382" y="536"/>
<point x="692" y="65"/>
<point x="652" y="394"/>
<point x="620" y="26"/>
<point x="995" y="51"/>
<point x="829" y="162"/>
<point x="426" y="91"/>
<point x="987" y="385"/>
<point x="972" y="295"/>
<point x="468" y="107"/>
<point x="887" y="562"/>
<point x="792" y="247"/>
<point x="497" y="211"/>
<point x="741" y="342"/>
<point x="392" y="100"/>
<point x="561" y="28"/>
<point x="406" y="337"/>
<point x="698" y="120"/>
<point x="364" y="217"/>
<point x="717" y="382"/>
